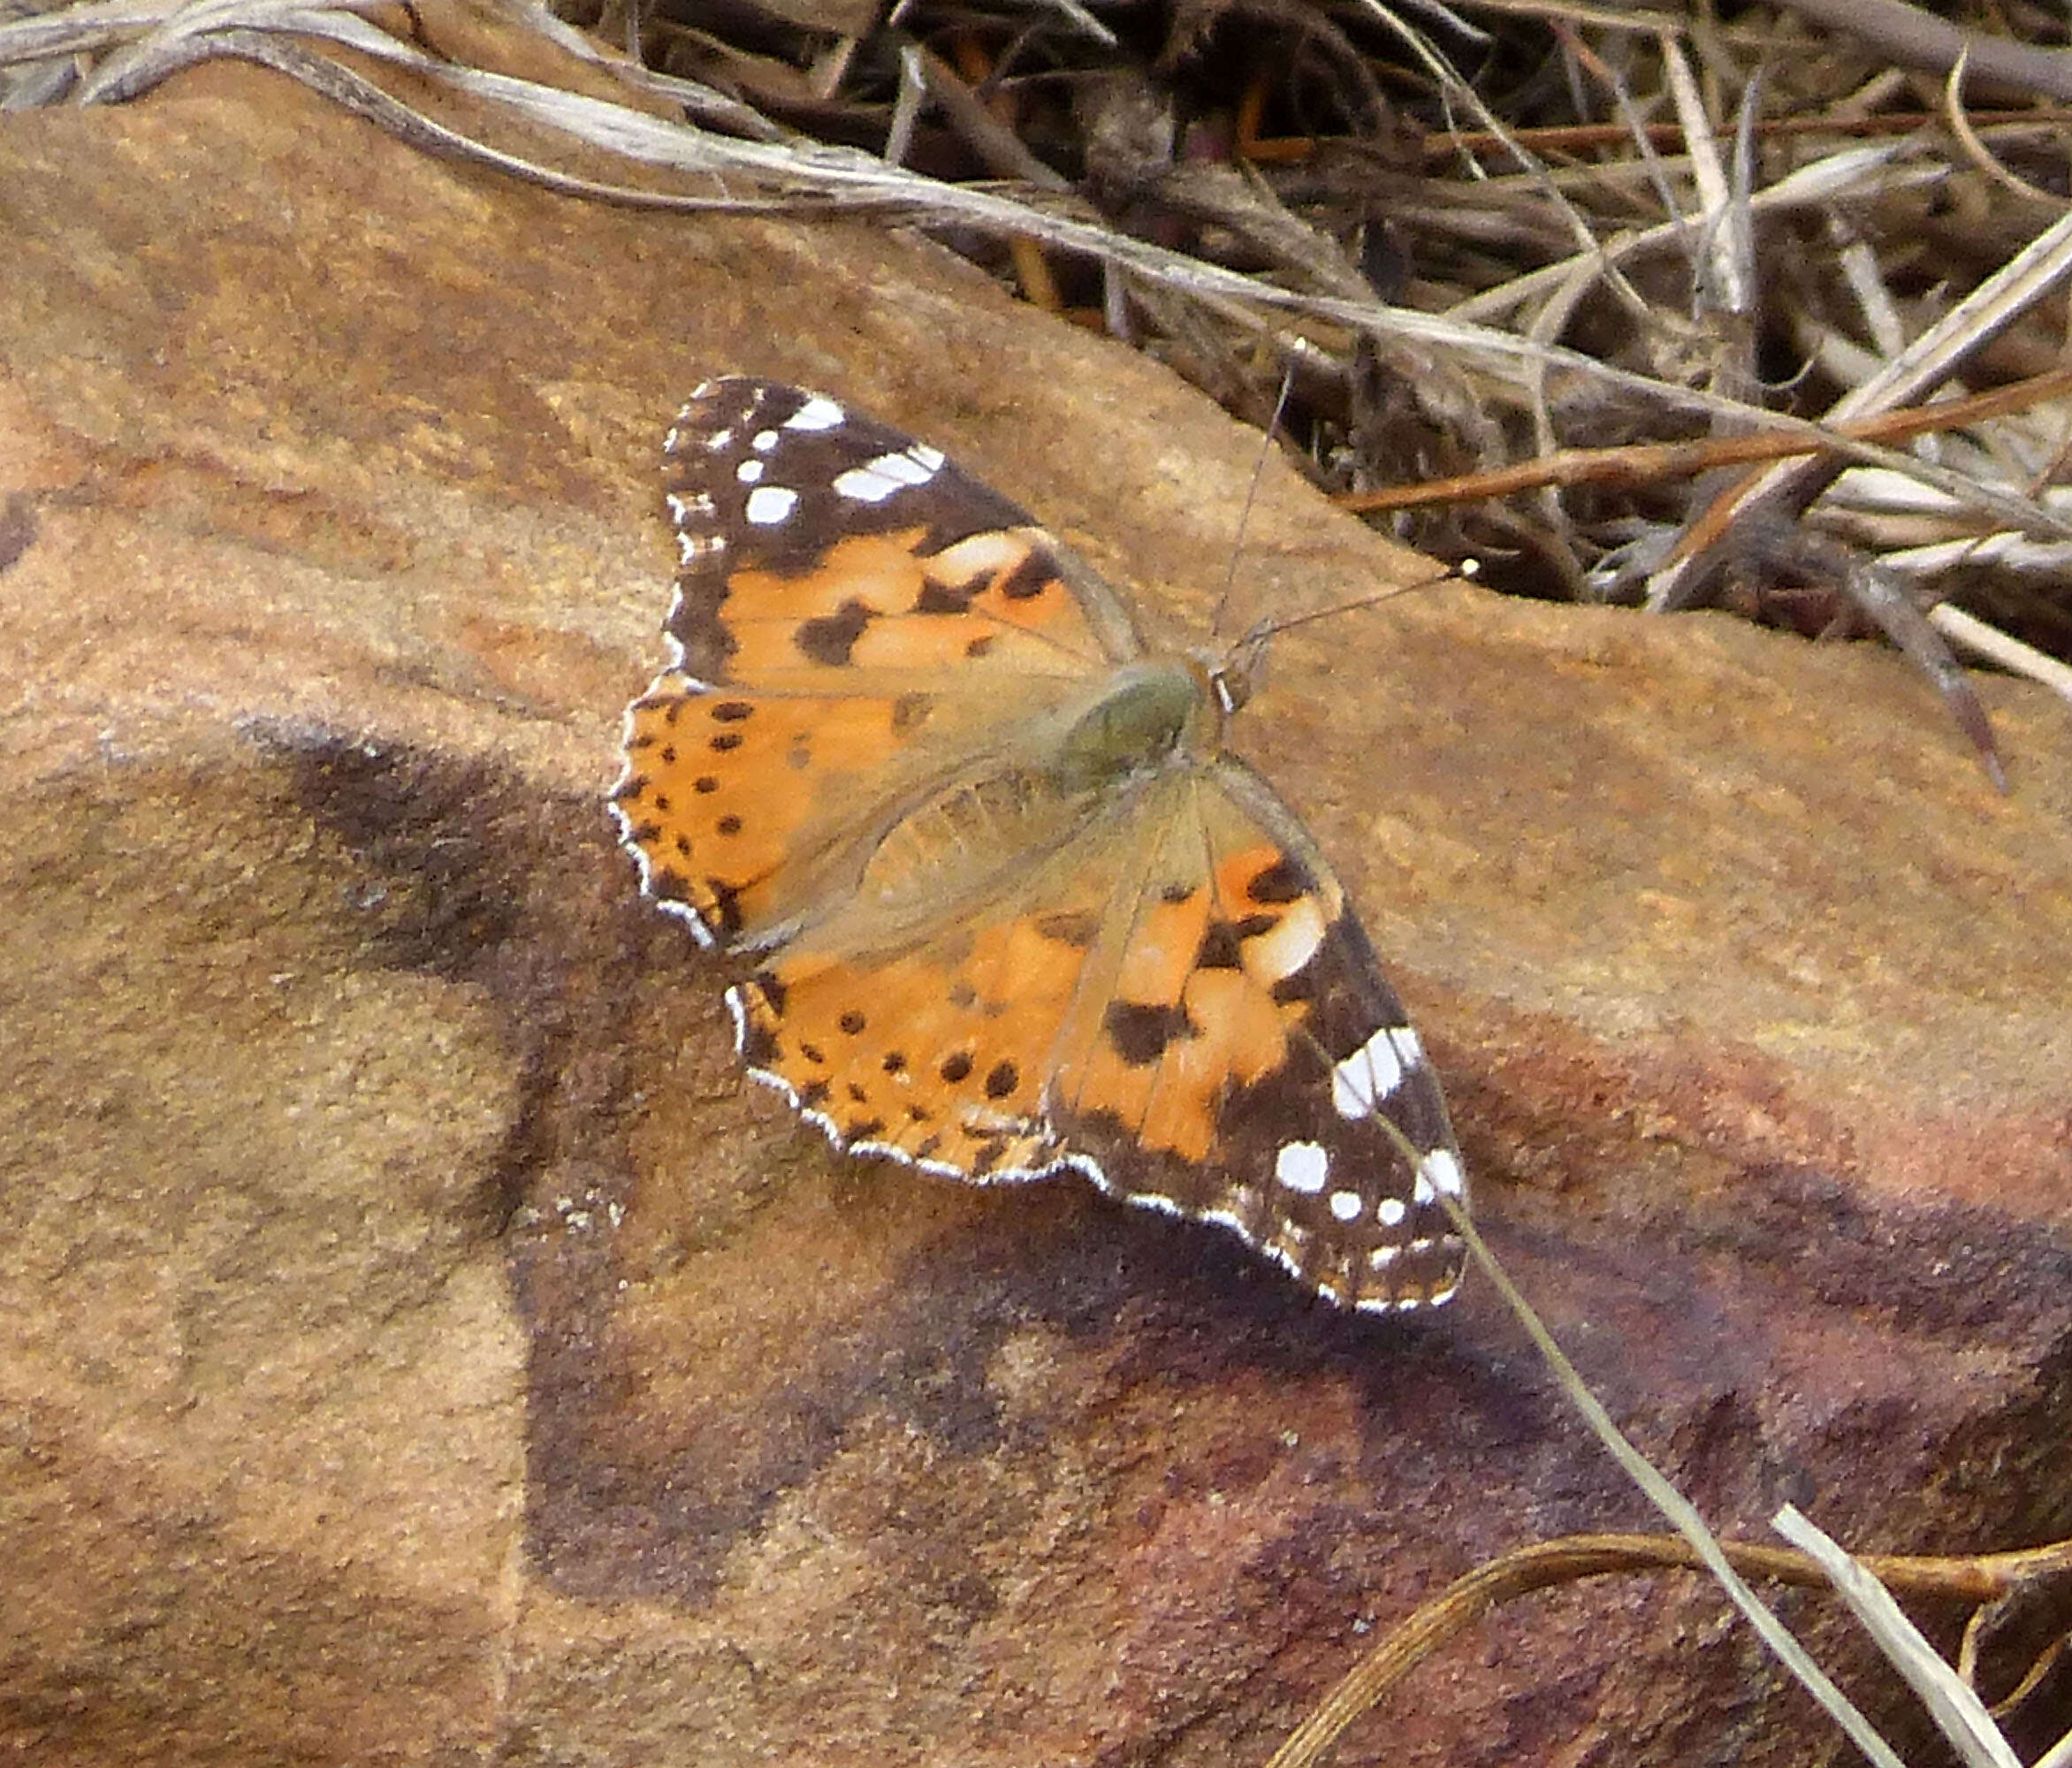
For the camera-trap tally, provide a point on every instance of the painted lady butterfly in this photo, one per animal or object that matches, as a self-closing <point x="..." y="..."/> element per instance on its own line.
<point x="1016" y="908"/>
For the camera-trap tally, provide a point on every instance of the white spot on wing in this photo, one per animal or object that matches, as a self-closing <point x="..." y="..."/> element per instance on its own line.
<point x="860" y="485"/>
<point x="749" y="471"/>
<point x="1445" y="1168"/>
<point x="876" y="480"/>
<point x="1292" y="941"/>
<point x="1346" y="1206"/>
<point x="818" y="413"/>
<point x="1302" y="1166"/>
<point x="978" y="554"/>
<point x="1371" y="1073"/>
<point x="1390" y="1211"/>
<point x="768" y="504"/>
<point x="765" y="440"/>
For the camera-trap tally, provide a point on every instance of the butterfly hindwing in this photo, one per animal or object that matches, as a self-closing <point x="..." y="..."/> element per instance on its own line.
<point x="936" y="1047"/>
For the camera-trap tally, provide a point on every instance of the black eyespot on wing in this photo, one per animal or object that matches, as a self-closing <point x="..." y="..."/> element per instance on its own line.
<point x="1284" y="881"/>
<point x="943" y="599"/>
<point x="829" y="640"/>
<point x="1140" y="1030"/>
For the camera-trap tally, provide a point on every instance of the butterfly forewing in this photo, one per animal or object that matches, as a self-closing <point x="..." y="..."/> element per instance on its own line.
<point x="822" y="550"/>
<point x="1243" y="1061"/>
<point x="1016" y="910"/>
<point x="852" y="615"/>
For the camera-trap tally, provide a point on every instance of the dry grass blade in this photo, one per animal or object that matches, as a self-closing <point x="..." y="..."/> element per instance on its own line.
<point x="1979" y="153"/>
<point x="1958" y="1712"/>
<point x="1879" y="597"/>
<point x="1654" y="463"/>
<point x="1850" y="174"/>
<point x="1676" y="1508"/>
<point x="1995" y="646"/>
<point x="1912" y="38"/>
<point x="2035" y="271"/>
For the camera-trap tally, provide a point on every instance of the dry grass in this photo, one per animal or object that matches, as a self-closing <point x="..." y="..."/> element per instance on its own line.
<point x="1626" y="307"/>
<point x="1501" y="241"/>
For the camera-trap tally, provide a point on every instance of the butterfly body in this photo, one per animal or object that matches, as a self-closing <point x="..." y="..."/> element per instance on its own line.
<point x="1150" y="714"/>
<point x="1016" y="908"/>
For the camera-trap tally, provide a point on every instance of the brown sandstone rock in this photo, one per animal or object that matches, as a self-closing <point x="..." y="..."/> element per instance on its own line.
<point x="420" y="1343"/>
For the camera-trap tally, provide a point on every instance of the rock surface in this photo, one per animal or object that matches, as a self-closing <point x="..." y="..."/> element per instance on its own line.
<point x="420" y="1345"/>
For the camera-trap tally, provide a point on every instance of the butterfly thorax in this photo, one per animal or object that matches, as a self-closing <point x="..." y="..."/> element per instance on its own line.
<point x="975" y="838"/>
<point x="979" y="837"/>
<point x="1149" y="713"/>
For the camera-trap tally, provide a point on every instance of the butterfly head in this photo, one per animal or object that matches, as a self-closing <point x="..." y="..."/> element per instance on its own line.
<point x="1234" y="674"/>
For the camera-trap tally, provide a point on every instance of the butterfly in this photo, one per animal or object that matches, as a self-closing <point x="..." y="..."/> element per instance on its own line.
<point x="1003" y="903"/>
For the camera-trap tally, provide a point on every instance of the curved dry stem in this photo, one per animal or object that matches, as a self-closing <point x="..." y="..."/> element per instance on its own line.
<point x="1550" y="1565"/>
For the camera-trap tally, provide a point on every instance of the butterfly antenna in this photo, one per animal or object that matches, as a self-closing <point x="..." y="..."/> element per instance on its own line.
<point x="1266" y="448"/>
<point x="1268" y="628"/>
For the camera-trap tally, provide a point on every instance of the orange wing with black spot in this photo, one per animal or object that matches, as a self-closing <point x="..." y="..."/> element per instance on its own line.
<point x="855" y="621"/>
<point x="1016" y="909"/>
